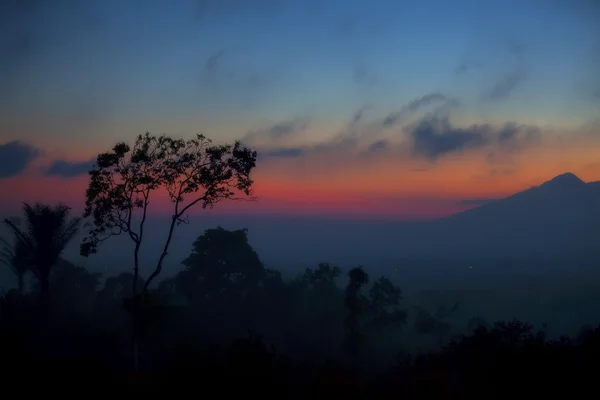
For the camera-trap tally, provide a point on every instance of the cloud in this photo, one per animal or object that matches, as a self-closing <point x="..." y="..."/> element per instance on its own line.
<point x="465" y="66"/>
<point x="434" y="137"/>
<point x="15" y="156"/>
<point x="516" y="136"/>
<point x="509" y="69"/>
<point x="378" y="146"/>
<point x="356" y="133"/>
<point x="430" y="137"/>
<point x="289" y="152"/>
<point x="509" y="82"/>
<point x="68" y="169"/>
<point x="414" y="106"/>
<point x="278" y="131"/>
<point x="229" y="72"/>
<point x="502" y="89"/>
<point x="359" y="114"/>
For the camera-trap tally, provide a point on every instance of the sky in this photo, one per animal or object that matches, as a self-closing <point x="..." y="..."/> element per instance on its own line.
<point x="388" y="109"/>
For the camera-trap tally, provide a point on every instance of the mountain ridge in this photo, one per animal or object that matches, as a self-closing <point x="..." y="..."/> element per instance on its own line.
<point x="558" y="217"/>
<point x="560" y="183"/>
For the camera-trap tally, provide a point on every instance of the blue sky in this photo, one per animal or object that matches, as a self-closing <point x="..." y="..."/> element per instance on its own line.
<point x="75" y="76"/>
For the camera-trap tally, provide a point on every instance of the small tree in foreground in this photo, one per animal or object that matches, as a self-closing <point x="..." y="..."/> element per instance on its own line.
<point x="46" y="233"/>
<point x="16" y="256"/>
<point x="192" y="172"/>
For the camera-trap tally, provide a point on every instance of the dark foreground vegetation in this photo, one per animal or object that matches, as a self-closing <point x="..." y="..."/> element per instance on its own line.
<point x="226" y="325"/>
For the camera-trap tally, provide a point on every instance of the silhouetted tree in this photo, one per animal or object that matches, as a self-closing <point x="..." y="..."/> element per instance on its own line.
<point x="354" y="303"/>
<point x="116" y="288"/>
<point x="443" y="312"/>
<point x="48" y="230"/>
<point x="18" y="258"/>
<point x="321" y="291"/>
<point x="476" y="323"/>
<point x="193" y="172"/>
<point x="384" y="302"/>
<point x="110" y="299"/>
<point x="324" y="275"/>
<point x="222" y="265"/>
<point x="426" y="324"/>
<point x="73" y="287"/>
<point x="317" y="305"/>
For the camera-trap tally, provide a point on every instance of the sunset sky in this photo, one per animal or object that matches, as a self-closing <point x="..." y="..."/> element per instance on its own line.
<point x="404" y="109"/>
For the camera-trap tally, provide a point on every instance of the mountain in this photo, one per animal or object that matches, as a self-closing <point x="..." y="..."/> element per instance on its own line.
<point x="559" y="218"/>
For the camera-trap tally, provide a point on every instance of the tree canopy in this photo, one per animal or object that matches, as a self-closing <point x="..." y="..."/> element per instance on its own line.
<point x="192" y="172"/>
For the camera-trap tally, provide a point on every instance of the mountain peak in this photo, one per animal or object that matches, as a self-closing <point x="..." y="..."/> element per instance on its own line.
<point x="564" y="181"/>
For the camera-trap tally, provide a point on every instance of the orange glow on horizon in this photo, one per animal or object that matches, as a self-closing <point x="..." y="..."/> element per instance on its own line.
<point x="386" y="187"/>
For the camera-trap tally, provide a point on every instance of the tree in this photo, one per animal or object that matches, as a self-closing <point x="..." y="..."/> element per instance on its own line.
<point x="426" y="324"/>
<point x="222" y="266"/>
<point x="193" y="172"/>
<point x="321" y="293"/>
<point x="324" y="276"/>
<point x="115" y="288"/>
<point x="354" y="302"/>
<point x="49" y="229"/>
<point x="73" y="287"/>
<point x="17" y="258"/>
<point x="384" y="302"/>
<point x="477" y="323"/>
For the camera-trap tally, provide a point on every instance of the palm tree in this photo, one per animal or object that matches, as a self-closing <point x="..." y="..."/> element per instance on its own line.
<point x="18" y="259"/>
<point x="48" y="230"/>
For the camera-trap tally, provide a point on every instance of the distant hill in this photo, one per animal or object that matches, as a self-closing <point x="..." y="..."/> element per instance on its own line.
<point x="560" y="218"/>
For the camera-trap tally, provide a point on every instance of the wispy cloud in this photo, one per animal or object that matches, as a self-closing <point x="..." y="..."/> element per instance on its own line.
<point x="414" y="106"/>
<point x="278" y="131"/>
<point x="505" y="86"/>
<point x="15" y="157"/>
<point x="227" y="70"/>
<point x="69" y="169"/>
<point x="509" y="81"/>
<point x="431" y="136"/>
<point x="291" y="152"/>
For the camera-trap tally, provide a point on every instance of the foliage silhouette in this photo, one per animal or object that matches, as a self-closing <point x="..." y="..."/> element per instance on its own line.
<point x="48" y="230"/>
<point x="477" y="322"/>
<point x="17" y="258"/>
<point x="384" y="302"/>
<point x="124" y="179"/>
<point x="225" y="292"/>
<point x="355" y="304"/>
<point x="73" y="287"/>
<point x="222" y="264"/>
<point x="426" y="324"/>
<point x="193" y="172"/>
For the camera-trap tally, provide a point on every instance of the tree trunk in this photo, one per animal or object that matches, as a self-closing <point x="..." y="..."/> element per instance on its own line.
<point x="44" y="287"/>
<point x="45" y="292"/>
<point x="21" y="284"/>
<point x="135" y="331"/>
